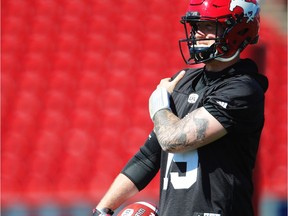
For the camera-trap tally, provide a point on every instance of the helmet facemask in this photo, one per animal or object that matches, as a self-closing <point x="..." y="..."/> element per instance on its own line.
<point x="198" y="50"/>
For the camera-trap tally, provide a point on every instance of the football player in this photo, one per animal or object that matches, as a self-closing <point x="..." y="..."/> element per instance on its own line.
<point x="207" y="121"/>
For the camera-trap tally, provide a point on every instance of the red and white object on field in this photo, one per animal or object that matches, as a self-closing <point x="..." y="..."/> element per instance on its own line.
<point x="139" y="209"/>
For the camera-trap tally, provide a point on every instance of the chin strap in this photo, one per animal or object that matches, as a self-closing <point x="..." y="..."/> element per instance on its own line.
<point x="230" y="58"/>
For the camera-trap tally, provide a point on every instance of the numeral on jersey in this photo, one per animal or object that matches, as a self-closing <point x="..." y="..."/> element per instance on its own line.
<point x="186" y="175"/>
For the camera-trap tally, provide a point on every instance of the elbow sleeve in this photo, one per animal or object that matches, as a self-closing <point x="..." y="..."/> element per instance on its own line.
<point x="145" y="164"/>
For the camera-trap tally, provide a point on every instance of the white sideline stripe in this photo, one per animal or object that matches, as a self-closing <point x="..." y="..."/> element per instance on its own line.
<point x="148" y="205"/>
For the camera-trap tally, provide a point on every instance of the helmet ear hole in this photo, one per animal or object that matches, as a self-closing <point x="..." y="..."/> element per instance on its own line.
<point x="243" y="31"/>
<point x="230" y="21"/>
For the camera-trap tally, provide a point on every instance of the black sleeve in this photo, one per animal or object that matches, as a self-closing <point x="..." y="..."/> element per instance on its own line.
<point x="145" y="164"/>
<point x="238" y="106"/>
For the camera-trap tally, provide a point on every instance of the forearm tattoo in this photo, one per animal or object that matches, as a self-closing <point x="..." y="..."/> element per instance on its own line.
<point x="179" y="135"/>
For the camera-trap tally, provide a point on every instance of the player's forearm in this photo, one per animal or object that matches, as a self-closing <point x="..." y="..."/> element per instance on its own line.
<point x="196" y="129"/>
<point x="175" y="135"/>
<point x="121" y="189"/>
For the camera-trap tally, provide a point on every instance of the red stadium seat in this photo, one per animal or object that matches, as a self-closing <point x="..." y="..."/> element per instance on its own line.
<point x="66" y="60"/>
<point x="78" y="142"/>
<point x="12" y="44"/>
<point x="34" y="81"/>
<point x="121" y="80"/>
<point x="86" y="97"/>
<point x="47" y="8"/>
<point x="55" y="99"/>
<point x="107" y="164"/>
<point x="12" y="174"/>
<point x="48" y="144"/>
<point x="140" y="118"/>
<point x="135" y="139"/>
<point x="63" y="81"/>
<point x="69" y="42"/>
<point x="42" y="42"/>
<point x="55" y="120"/>
<point x="113" y="100"/>
<point x="113" y="119"/>
<point x="119" y="60"/>
<point x="22" y="122"/>
<point x="16" y="143"/>
<point x="73" y="24"/>
<point x="128" y="42"/>
<point x="90" y="82"/>
<point x="37" y="61"/>
<point x="86" y="120"/>
<point x="93" y="64"/>
<point x="9" y="89"/>
<point x="8" y="59"/>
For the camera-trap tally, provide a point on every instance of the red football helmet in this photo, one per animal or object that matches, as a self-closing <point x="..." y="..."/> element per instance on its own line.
<point x="238" y="19"/>
<point x="139" y="209"/>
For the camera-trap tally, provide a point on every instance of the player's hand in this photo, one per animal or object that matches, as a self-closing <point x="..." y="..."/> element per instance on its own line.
<point x="159" y="99"/>
<point x="170" y="85"/>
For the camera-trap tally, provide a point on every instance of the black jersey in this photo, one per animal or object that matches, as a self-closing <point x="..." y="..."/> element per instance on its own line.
<point x="214" y="180"/>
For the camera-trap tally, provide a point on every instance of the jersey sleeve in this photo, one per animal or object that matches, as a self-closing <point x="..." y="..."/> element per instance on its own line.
<point x="145" y="164"/>
<point x="238" y="105"/>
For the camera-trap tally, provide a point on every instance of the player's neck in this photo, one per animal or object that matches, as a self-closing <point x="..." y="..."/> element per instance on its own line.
<point x="216" y="66"/>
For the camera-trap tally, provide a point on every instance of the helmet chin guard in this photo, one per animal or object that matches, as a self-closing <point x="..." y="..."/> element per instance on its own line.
<point x="228" y="59"/>
<point x="197" y="53"/>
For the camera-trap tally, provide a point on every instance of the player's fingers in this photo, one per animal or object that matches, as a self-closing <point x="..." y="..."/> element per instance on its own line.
<point x="165" y="80"/>
<point x="178" y="77"/>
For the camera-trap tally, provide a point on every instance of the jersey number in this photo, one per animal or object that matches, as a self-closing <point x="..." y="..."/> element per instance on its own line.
<point x="183" y="179"/>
